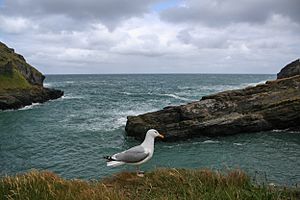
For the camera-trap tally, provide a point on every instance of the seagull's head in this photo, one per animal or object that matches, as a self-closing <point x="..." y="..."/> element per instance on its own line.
<point x="154" y="133"/>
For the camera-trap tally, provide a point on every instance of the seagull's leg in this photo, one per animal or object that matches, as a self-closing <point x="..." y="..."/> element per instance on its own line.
<point x="138" y="172"/>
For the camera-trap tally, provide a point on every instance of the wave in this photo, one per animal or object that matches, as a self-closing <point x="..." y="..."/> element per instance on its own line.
<point x="122" y="116"/>
<point x="71" y="97"/>
<point x="219" y="88"/>
<point x="157" y="94"/>
<point x="127" y="93"/>
<point x="57" y="84"/>
<point x="47" y="85"/>
<point x="284" y="131"/>
<point x="114" y="120"/>
<point x="121" y="121"/>
<point x="210" y="141"/>
<point x="254" y="84"/>
<point x="176" y="97"/>
<point x="30" y="106"/>
<point x="238" y="144"/>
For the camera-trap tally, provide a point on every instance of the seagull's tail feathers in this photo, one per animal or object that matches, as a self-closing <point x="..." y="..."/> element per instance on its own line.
<point x="111" y="162"/>
<point x="114" y="163"/>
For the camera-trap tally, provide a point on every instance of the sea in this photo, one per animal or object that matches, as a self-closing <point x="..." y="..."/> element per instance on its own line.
<point x="70" y="135"/>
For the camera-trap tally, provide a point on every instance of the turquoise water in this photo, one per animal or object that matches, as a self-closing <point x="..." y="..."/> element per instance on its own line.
<point x="71" y="135"/>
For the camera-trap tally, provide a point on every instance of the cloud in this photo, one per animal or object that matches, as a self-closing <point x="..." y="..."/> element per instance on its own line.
<point x="14" y="25"/>
<point x="149" y="37"/>
<point x="161" y="36"/>
<point x="241" y="35"/>
<point x="224" y="12"/>
<point x="108" y="12"/>
<point x="204" y="38"/>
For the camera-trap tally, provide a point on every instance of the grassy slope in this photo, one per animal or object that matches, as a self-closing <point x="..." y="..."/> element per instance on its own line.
<point x="159" y="184"/>
<point x="13" y="81"/>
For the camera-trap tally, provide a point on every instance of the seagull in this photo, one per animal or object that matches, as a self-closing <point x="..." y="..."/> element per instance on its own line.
<point x="136" y="155"/>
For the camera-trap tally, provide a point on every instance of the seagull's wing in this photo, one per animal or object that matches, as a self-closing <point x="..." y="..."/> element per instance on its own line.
<point x="132" y="155"/>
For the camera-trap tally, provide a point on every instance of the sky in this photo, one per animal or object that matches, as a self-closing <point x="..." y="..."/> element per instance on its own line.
<point x="157" y="36"/>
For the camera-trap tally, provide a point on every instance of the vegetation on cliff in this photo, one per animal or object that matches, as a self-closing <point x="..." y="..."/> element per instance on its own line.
<point x="13" y="66"/>
<point x="158" y="184"/>
<point x="20" y="83"/>
<point x="13" y="80"/>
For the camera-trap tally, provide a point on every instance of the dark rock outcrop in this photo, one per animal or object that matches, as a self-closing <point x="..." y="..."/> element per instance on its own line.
<point x="273" y="105"/>
<point x="20" y="83"/>
<point x="14" y="99"/>
<point x="291" y="69"/>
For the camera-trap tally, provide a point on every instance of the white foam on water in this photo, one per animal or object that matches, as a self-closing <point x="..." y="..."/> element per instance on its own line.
<point x="210" y="141"/>
<point x="47" y="85"/>
<point x="30" y="106"/>
<point x="121" y="121"/>
<point x="277" y="131"/>
<point x="220" y="88"/>
<point x="254" y="84"/>
<point x="127" y="93"/>
<point x="121" y="117"/>
<point x="175" y="97"/>
<point x="284" y="130"/>
<point x="71" y="97"/>
<point x="238" y="144"/>
<point x="165" y="95"/>
<point x="187" y="87"/>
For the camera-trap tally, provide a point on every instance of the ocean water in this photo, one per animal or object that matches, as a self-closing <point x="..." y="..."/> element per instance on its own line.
<point x="70" y="135"/>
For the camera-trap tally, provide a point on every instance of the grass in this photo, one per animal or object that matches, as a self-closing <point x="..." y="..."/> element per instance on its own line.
<point x="158" y="184"/>
<point x="14" y="80"/>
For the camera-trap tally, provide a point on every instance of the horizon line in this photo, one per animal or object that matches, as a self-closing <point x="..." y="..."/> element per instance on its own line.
<point x="175" y="73"/>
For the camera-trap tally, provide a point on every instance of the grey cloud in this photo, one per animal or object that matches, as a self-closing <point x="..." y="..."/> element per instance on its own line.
<point x="150" y="54"/>
<point x="210" y="41"/>
<point x="108" y="12"/>
<point x="207" y="36"/>
<point x="224" y="12"/>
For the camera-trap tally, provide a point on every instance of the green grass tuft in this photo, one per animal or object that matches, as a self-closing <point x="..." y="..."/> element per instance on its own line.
<point x="159" y="184"/>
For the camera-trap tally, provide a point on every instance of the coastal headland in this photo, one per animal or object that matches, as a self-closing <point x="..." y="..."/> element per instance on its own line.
<point x="20" y="83"/>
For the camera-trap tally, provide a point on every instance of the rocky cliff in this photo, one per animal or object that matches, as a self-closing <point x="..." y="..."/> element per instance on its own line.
<point x="20" y="83"/>
<point x="289" y="70"/>
<point x="273" y="105"/>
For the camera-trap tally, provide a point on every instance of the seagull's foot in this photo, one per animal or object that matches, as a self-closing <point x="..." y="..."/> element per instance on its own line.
<point x="140" y="173"/>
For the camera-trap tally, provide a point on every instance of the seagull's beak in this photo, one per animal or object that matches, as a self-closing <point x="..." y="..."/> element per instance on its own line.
<point x="161" y="136"/>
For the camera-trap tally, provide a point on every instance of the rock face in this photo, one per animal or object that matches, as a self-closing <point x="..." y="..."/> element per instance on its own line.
<point x="20" y="83"/>
<point x="289" y="70"/>
<point x="273" y="105"/>
<point x="14" y="99"/>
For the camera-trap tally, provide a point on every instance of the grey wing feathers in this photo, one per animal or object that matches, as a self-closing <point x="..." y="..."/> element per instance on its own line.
<point x="132" y="155"/>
